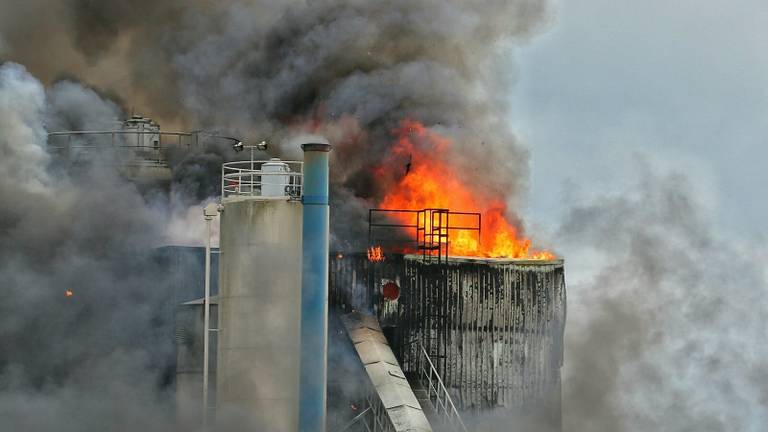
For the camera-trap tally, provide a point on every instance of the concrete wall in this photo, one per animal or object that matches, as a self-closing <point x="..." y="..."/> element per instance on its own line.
<point x="259" y="315"/>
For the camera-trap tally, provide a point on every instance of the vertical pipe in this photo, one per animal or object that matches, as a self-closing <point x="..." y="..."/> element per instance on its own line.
<point x="314" y="289"/>
<point x="209" y="212"/>
<point x="207" y="316"/>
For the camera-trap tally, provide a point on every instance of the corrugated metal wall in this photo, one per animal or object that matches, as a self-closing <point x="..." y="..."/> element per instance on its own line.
<point x="494" y="328"/>
<point x="355" y="284"/>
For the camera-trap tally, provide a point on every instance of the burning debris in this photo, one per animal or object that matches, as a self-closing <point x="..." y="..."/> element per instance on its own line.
<point x="375" y="254"/>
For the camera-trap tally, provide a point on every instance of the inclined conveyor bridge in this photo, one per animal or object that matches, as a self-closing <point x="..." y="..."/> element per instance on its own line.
<point x="395" y="402"/>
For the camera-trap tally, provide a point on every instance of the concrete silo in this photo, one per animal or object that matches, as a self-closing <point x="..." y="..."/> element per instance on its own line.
<point x="260" y="296"/>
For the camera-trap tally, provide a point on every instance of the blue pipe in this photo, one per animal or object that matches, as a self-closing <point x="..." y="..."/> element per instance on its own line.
<point x="314" y="289"/>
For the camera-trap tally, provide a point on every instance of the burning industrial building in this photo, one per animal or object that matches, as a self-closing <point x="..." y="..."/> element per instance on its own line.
<point x="283" y="216"/>
<point x="466" y="330"/>
<point x="462" y="315"/>
<point x="467" y="336"/>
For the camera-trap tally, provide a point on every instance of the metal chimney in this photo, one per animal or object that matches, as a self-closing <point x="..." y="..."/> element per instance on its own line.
<point x="314" y="289"/>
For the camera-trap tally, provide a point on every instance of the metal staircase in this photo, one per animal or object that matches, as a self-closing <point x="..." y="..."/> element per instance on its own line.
<point x="433" y="396"/>
<point x="432" y="233"/>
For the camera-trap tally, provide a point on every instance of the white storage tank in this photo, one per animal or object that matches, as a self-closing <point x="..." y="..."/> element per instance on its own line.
<point x="259" y="307"/>
<point x="273" y="183"/>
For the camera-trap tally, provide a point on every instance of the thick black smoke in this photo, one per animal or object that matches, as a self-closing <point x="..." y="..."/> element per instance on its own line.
<point x="354" y="70"/>
<point x="350" y="69"/>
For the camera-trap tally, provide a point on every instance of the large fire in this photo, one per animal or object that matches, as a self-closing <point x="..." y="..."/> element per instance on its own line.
<point x="430" y="182"/>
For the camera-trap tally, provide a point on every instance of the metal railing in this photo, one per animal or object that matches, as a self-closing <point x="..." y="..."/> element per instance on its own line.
<point x="374" y="416"/>
<point x="262" y="179"/>
<point x="136" y="147"/>
<point x="437" y="393"/>
<point x="426" y="231"/>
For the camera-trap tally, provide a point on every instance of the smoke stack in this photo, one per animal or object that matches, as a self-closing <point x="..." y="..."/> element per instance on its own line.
<point x="314" y="289"/>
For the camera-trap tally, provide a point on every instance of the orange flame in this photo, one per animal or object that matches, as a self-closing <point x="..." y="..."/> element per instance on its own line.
<point x="68" y="293"/>
<point x="375" y="254"/>
<point x="430" y="182"/>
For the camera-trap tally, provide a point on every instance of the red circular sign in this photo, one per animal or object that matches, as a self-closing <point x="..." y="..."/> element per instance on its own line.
<point x="391" y="291"/>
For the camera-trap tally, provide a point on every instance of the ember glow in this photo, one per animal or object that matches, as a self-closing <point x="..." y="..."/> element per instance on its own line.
<point x="430" y="182"/>
<point x="375" y="254"/>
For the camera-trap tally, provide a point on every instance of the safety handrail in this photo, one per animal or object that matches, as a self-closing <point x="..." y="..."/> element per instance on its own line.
<point x="135" y="147"/>
<point x="250" y="179"/>
<point x="438" y="394"/>
<point x="374" y="417"/>
<point x="356" y="420"/>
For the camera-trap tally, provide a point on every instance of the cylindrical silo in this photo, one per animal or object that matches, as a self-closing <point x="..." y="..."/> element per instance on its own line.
<point x="259" y="313"/>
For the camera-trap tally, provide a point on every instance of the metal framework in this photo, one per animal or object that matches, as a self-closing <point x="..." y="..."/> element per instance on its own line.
<point x="428" y="234"/>
<point x="138" y="150"/>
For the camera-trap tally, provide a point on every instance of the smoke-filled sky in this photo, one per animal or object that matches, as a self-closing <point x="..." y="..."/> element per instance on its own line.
<point x="684" y="81"/>
<point x="646" y="124"/>
<point x="627" y="135"/>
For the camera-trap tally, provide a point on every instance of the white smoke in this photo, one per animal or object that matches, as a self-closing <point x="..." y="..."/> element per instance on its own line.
<point x="22" y="143"/>
<point x="665" y="332"/>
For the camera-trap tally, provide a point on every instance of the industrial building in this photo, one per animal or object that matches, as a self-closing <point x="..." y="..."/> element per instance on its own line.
<point x="436" y="342"/>
<point x="463" y="338"/>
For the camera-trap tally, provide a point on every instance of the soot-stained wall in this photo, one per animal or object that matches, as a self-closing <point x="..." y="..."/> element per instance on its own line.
<point x="494" y="328"/>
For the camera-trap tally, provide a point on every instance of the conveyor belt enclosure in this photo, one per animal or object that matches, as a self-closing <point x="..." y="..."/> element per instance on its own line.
<point x="390" y="386"/>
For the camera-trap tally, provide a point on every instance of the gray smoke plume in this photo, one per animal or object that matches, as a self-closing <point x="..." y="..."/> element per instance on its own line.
<point x="665" y="327"/>
<point x="98" y="359"/>
<point x="355" y="70"/>
<point x="277" y="69"/>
